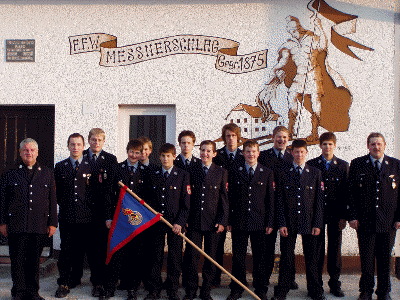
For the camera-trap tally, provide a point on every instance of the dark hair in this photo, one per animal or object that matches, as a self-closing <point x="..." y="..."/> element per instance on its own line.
<point x="187" y="133"/>
<point x="231" y="127"/>
<point x="327" y="136"/>
<point x="375" y="135"/>
<point x="135" y="144"/>
<point x="167" y="148"/>
<point x="279" y="129"/>
<point x="299" y="144"/>
<point x="250" y="143"/>
<point x="76" y="135"/>
<point x="209" y="142"/>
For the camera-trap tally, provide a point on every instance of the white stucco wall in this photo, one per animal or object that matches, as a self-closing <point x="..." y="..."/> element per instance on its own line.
<point x="87" y="95"/>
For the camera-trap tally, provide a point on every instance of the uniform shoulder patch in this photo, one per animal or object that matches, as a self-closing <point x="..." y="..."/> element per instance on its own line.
<point x="189" y="191"/>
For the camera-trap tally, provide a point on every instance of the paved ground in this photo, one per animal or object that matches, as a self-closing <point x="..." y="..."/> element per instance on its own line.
<point x="48" y="287"/>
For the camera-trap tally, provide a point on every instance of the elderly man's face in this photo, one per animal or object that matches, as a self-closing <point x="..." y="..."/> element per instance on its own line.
<point x="293" y="29"/>
<point x="29" y="153"/>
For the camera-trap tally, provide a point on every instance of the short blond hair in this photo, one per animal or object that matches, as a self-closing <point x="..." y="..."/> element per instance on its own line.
<point x="97" y="131"/>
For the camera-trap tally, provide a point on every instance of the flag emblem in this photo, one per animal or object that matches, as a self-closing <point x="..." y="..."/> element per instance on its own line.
<point x="134" y="217"/>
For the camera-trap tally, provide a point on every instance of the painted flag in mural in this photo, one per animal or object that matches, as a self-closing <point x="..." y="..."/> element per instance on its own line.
<point x="130" y="219"/>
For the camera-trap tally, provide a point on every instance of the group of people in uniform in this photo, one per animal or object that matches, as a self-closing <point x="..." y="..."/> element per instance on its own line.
<point x="250" y="193"/>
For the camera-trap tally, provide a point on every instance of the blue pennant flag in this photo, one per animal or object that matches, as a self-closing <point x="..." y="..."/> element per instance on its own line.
<point x="130" y="219"/>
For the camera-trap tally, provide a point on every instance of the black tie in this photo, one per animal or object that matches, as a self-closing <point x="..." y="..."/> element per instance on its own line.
<point x="94" y="157"/>
<point x="280" y="156"/>
<point x="132" y="169"/>
<point x="251" y="173"/>
<point x="377" y="169"/>
<point x="187" y="162"/>
<point x="205" y="170"/>
<point x="230" y="156"/>
<point x="76" y="165"/>
<point x="298" y="169"/>
<point x="166" y="175"/>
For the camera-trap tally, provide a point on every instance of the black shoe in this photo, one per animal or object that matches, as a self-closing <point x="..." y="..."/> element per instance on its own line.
<point x="62" y="291"/>
<point x="337" y="292"/>
<point x="132" y="295"/>
<point x="385" y="297"/>
<point x="234" y="295"/>
<point x="97" y="291"/>
<point x="107" y="294"/>
<point x="322" y="297"/>
<point x="365" y="296"/>
<point x="190" y="294"/>
<point x="36" y="297"/>
<point x="151" y="296"/>
<point x="172" y="294"/>
<point x="294" y="286"/>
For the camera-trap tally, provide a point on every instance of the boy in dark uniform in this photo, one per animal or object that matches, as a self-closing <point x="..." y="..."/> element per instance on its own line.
<point x="227" y="157"/>
<point x="171" y="198"/>
<point x="275" y="158"/>
<point x="186" y="160"/>
<point x="251" y="206"/>
<point x="106" y="164"/>
<point x="80" y="217"/>
<point x="131" y="173"/>
<point x="334" y="175"/>
<point x="299" y="208"/>
<point x="147" y="150"/>
<point x="207" y="218"/>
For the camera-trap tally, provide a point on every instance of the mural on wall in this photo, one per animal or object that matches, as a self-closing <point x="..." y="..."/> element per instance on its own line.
<point x="316" y="96"/>
<point x="310" y="82"/>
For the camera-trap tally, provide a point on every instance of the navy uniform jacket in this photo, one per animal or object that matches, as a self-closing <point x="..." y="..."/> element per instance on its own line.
<point x="251" y="204"/>
<point x="181" y="164"/>
<point x="138" y="182"/>
<point x="222" y="159"/>
<point x="335" y="187"/>
<point x="209" y="199"/>
<point x="171" y="197"/>
<point x="374" y="198"/>
<point x="300" y="203"/>
<point x="28" y="206"/>
<point x="75" y="193"/>
<point x="269" y="159"/>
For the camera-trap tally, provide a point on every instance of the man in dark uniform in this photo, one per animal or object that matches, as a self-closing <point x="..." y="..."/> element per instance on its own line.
<point x="334" y="175"/>
<point x="170" y="197"/>
<point x="81" y="217"/>
<point x="227" y="157"/>
<point x="186" y="159"/>
<point x="374" y="212"/>
<point x="275" y="159"/>
<point x="207" y="218"/>
<point x="136" y="177"/>
<point x="106" y="164"/>
<point x="299" y="208"/>
<point x="28" y="214"/>
<point x="251" y="206"/>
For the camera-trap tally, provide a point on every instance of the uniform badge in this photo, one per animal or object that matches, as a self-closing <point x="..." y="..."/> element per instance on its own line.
<point x="134" y="217"/>
<point x="226" y="186"/>
<point x="105" y="175"/>
<point x="273" y="185"/>
<point x="322" y="186"/>
<point x="189" y="191"/>
<point x="100" y="178"/>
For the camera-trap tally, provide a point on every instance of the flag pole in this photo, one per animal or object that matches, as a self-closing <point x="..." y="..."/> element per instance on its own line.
<point x="190" y="242"/>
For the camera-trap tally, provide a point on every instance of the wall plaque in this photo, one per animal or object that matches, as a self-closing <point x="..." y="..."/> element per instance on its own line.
<point x="20" y="50"/>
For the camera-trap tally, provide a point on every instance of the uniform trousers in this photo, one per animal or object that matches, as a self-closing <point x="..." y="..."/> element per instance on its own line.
<point x="174" y="260"/>
<point x="25" y="250"/>
<point x="76" y="240"/>
<point x="220" y="257"/>
<point x="334" y="255"/>
<point x="379" y="246"/>
<point x="239" y="250"/>
<point x="311" y="250"/>
<point x="130" y="264"/>
<point x="192" y="256"/>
